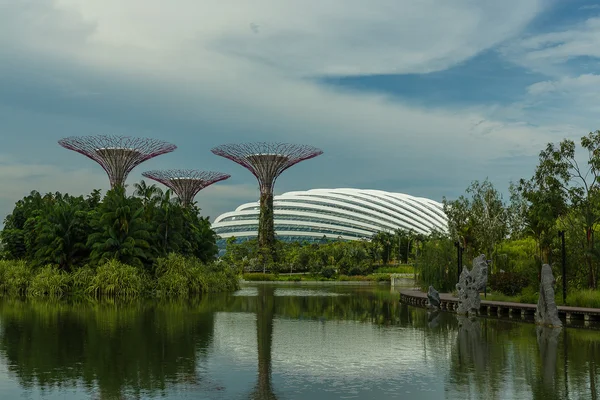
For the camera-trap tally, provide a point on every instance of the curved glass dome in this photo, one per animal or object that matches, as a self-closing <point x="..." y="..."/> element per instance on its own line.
<point x="330" y="214"/>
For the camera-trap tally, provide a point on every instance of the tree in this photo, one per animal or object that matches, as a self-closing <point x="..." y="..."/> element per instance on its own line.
<point x="489" y="216"/>
<point x="577" y="186"/>
<point x="120" y="230"/>
<point x="62" y="232"/>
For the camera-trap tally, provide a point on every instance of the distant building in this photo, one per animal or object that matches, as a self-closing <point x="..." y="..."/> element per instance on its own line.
<point x="335" y="214"/>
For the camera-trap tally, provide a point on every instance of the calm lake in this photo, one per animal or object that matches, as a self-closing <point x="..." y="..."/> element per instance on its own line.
<point x="285" y="342"/>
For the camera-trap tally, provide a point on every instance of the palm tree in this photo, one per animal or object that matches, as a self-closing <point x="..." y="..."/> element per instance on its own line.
<point x="61" y="234"/>
<point x="121" y="231"/>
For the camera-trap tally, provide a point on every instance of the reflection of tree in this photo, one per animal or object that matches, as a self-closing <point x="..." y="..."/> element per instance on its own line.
<point x="116" y="348"/>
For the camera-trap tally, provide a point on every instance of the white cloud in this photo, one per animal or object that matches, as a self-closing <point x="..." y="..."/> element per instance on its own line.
<point x="567" y="85"/>
<point x="309" y="37"/>
<point x="545" y="52"/>
<point x="249" y="59"/>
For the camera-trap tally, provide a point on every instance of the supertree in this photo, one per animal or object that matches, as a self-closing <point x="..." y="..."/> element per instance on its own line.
<point x="186" y="183"/>
<point x="118" y="155"/>
<point x="266" y="161"/>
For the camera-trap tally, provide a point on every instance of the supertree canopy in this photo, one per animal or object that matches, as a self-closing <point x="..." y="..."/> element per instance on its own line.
<point x="186" y="183"/>
<point x="266" y="161"/>
<point x="118" y="155"/>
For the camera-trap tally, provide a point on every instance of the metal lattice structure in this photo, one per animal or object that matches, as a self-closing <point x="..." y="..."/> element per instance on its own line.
<point x="266" y="161"/>
<point x="117" y="155"/>
<point x="186" y="183"/>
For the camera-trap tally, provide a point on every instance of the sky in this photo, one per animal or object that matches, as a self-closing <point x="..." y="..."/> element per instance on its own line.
<point x="414" y="96"/>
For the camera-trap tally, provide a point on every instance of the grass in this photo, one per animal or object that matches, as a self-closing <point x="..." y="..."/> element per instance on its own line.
<point x="584" y="298"/>
<point x="400" y="269"/>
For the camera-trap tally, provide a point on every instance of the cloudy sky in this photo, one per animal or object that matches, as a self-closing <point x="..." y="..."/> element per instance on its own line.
<point x="414" y="96"/>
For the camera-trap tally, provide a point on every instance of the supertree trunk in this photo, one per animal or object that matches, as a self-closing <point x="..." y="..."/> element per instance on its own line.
<point x="266" y="222"/>
<point x="266" y="161"/>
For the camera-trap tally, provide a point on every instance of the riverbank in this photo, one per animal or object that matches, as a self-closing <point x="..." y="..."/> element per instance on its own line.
<point x="493" y="307"/>
<point x="173" y="276"/>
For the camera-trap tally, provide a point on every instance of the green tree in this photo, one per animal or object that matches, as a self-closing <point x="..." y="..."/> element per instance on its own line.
<point x="62" y="233"/>
<point x="120" y="230"/>
<point x="578" y="186"/>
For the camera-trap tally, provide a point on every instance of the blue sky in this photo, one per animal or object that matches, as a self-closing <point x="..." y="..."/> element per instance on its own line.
<point x="414" y="96"/>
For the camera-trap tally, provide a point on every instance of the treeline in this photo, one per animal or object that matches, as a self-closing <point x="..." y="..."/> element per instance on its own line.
<point x="327" y="258"/>
<point x="147" y="232"/>
<point x="522" y="233"/>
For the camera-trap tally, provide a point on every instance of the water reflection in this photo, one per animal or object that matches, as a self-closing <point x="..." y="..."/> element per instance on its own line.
<point x="268" y="342"/>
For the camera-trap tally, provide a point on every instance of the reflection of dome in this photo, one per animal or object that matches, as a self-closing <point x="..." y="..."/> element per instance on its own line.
<point x="349" y="214"/>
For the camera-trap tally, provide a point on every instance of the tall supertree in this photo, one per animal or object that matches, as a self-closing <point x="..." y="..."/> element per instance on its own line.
<point x="186" y="183"/>
<point x="118" y="155"/>
<point x="266" y="161"/>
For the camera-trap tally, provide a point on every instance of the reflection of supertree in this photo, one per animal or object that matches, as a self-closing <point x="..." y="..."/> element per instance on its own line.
<point x="117" y="155"/>
<point x="264" y="337"/>
<point x="186" y="183"/>
<point x="266" y="161"/>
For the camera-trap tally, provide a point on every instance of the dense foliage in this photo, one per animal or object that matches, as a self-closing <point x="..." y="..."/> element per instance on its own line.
<point x="329" y="258"/>
<point x="116" y="245"/>
<point x="521" y="234"/>
<point x="70" y="232"/>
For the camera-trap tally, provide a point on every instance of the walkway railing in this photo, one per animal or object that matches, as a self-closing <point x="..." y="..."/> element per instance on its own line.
<point x="450" y="303"/>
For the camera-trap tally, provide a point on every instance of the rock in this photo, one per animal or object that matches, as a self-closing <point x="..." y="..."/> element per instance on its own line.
<point x="434" y="298"/>
<point x="547" y="312"/>
<point x="470" y="284"/>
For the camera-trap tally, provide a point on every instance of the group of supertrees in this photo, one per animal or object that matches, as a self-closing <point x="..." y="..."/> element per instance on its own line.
<point x="119" y="155"/>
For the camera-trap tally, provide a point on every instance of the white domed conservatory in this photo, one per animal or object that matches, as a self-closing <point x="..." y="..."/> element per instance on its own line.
<point x="335" y="214"/>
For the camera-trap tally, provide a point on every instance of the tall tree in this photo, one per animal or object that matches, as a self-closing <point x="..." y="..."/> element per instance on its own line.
<point x="121" y="231"/>
<point x="579" y="187"/>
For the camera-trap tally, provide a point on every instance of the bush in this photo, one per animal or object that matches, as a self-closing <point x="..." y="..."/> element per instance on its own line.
<point x="328" y="272"/>
<point x="82" y="279"/>
<point x="114" y="278"/>
<point x="509" y="283"/>
<point x="15" y="277"/>
<point x="50" y="281"/>
<point x="584" y="298"/>
<point x="258" y="276"/>
<point x="181" y="276"/>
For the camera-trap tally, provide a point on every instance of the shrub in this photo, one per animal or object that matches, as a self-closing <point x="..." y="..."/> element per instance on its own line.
<point x="50" y="281"/>
<point x="328" y="272"/>
<point x="258" y="276"/>
<point x="509" y="283"/>
<point x="114" y="278"/>
<point x="82" y="279"/>
<point x="584" y="298"/>
<point x="15" y="277"/>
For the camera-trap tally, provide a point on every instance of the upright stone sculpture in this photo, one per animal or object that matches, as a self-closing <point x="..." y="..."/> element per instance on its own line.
<point x="470" y="284"/>
<point x="547" y="312"/>
<point x="433" y="296"/>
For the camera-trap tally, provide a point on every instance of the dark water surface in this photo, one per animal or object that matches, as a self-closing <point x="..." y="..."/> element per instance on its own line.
<point x="285" y="342"/>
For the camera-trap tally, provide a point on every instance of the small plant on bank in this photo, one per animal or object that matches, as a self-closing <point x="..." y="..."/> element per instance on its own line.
<point x="50" y="281"/>
<point x="114" y="278"/>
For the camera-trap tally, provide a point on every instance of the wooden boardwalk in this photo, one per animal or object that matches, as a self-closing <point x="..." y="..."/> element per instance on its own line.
<point x="450" y="303"/>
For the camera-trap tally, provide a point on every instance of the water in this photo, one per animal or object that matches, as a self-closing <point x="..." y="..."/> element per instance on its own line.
<point x="279" y="342"/>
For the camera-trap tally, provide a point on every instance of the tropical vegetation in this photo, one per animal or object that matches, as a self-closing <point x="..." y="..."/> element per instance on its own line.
<point x="113" y="245"/>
